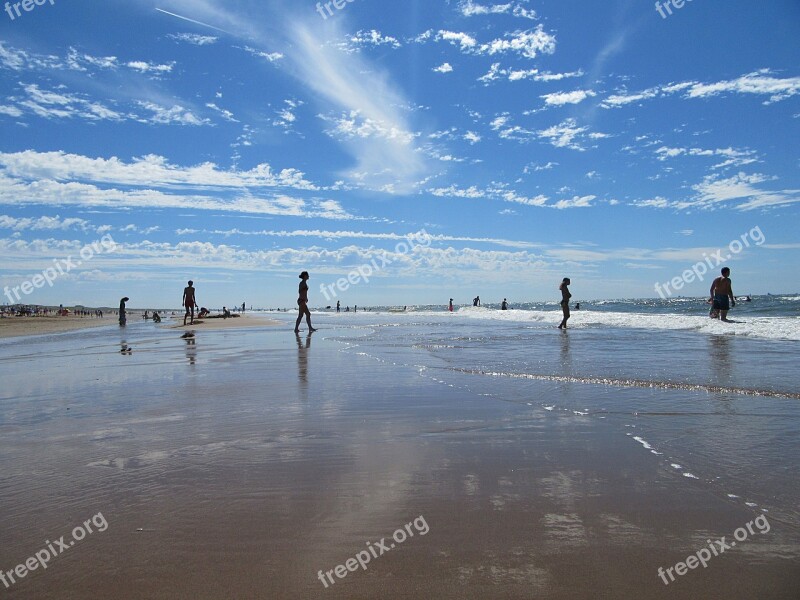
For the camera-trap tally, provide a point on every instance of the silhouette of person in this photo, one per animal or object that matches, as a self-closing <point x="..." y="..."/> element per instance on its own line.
<point x="565" y="296"/>
<point x="302" y="303"/>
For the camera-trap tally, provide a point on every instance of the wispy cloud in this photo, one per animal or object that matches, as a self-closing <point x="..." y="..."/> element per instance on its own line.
<point x="376" y="133"/>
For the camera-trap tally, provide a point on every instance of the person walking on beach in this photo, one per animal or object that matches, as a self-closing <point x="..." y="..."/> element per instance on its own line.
<point x="565" y="296"/>
<point x="338" y="306"/>
<point x="123" y="316"/>
<point x="302" y="303"/>
<point x="189" y="302"/>
<point x="721" y="290"/>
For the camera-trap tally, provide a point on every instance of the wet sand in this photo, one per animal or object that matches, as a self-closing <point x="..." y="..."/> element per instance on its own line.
<point x="41" y="325"/>
<point x="241" y="466"/>
<point x="245" y="320"/>
<point x="22" y="326"/>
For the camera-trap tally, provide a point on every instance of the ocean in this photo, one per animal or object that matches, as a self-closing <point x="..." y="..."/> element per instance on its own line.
<point x="716" y="402"/>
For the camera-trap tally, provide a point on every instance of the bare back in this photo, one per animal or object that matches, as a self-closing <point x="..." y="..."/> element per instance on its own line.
<point x="188" y="296"/>
<point x="722" y="286"/>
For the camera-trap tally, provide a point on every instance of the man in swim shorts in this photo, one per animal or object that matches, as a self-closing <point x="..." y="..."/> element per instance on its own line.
<point x="189" y="303"/>
<point x="721" y="290"/>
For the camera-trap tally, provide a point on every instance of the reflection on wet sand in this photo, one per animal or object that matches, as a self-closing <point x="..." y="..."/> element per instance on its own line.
<point x="302" y="361"/>
<point x="238" y="480"/>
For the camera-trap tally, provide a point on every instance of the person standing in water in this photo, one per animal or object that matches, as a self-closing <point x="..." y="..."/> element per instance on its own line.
<point x="189" y="302"/>
<point x="721" y="290"/>
<point x="451" y="305"/>
<point x="565" y="296"/>
<point x="302" y="303"/>
<point x="123" y="316"/>
<point x="504" y="305"/>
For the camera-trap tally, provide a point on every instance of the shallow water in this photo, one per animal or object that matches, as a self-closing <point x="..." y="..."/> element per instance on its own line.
<point x="724" y="408"/>
<point x="260" y="457"/>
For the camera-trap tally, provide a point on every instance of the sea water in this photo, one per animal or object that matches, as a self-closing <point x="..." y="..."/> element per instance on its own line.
<point x="717" y="403"/>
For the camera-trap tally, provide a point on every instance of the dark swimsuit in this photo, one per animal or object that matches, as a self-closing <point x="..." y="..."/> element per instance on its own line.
<point x="721" y="302"/>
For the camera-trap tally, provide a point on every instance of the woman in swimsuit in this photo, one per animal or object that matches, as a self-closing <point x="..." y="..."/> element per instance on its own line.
<point x="302" y="304"/>
<point x="565" y="296"/>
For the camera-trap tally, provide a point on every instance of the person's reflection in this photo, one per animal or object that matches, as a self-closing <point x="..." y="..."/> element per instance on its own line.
<point x="302" y="358"/>
<point x="124" y="348"/>
<point x="191" y="350"/>
<point x="721" y="365"/>
<point x="566" y="357"/>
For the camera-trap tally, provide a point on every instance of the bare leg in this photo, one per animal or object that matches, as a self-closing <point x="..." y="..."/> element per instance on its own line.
<point x="308" y="320"/>
<point x="297" y="323"/>
<point x="563" y="324"/>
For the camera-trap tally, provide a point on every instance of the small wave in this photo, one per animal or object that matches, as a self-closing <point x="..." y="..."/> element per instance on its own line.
<point x="765" y="327"/>
<point x="636" y="383"/>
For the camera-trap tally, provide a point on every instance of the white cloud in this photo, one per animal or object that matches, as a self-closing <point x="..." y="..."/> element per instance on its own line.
<point x="733" y="157"/>
<point x="740" y="191"/>
<point x="286" y="117"/>
<point x="372" y="127"/>
<point x="527" y="44"/>
<point x="226" y="114"/>
<point x="575" y="202"/>
<point x="194" y="38"/>
<point x="464" y="41"/>
<point x="51" y="193"/>
<point x="469" y="8"/>
<point x="43" y="223"/>
<point x="363" y="39"/>
<point x="443" y="68"/>
<point x="561" y="98"/>
<point x="271" y="57"/>
<point x="150" y="170"/>
<point x="176" y="114"/>
<point x="756" y="83"/>
<point x="536" y="168"/>
<point x="566" y="134"/>
<point x="759" y="82"/>
<point x="496" y="72"/>
<point x="472" y="137"/>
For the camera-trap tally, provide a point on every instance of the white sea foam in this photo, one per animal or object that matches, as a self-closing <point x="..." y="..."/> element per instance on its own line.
<point x="779" y="328"/>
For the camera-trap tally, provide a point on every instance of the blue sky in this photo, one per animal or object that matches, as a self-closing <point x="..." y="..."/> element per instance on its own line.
<point x="238" y="143"/>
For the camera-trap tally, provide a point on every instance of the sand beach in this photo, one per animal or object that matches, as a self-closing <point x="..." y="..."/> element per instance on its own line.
<point x="256" y="463"/>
